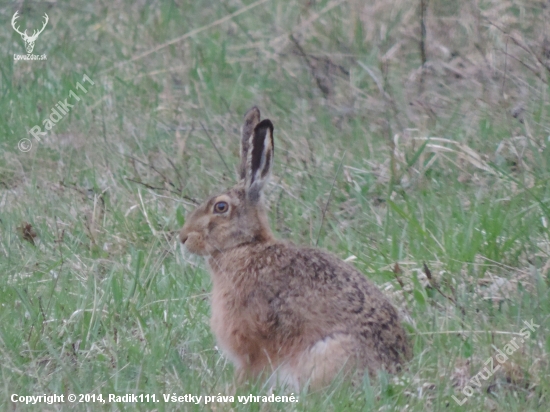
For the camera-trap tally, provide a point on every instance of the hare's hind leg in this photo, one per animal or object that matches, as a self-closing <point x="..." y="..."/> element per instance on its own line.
<point x="317" y="366"/>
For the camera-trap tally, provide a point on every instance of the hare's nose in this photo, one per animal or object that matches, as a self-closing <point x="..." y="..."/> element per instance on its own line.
<point x="183" y="238"/>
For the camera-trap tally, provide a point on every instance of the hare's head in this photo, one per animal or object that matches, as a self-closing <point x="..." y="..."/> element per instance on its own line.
<point x="237" y="216"/>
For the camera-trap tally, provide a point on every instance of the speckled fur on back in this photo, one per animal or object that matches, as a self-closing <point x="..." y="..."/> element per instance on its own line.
<point x="299" y="315"/>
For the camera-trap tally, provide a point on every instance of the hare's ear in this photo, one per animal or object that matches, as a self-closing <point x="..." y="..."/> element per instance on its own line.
<point x="251" y="119"/>
<point x="260" y="159"/>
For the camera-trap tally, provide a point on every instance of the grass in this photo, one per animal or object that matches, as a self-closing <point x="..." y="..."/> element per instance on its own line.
<point x="95" y="294"/>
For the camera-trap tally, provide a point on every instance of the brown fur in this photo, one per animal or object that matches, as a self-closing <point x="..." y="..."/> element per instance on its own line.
<point x="300" y="314"/>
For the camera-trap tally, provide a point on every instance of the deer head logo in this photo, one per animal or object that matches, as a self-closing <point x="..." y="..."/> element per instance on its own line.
<point x="29" y="40"/>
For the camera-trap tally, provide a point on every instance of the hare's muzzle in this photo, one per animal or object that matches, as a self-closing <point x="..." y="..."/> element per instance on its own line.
<point x="193" y="242"/>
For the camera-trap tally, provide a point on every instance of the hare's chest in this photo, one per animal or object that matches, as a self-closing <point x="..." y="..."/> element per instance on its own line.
<point x="232" y="326"/>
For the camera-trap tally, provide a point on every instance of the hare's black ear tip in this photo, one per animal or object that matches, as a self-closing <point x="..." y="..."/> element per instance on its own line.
<point x="264" y="125"/>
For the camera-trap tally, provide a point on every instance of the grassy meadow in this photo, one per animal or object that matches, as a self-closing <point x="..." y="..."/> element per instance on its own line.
<point x="412" y="138"/>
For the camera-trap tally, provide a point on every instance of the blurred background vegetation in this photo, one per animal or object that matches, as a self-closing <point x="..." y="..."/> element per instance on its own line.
<point x="411" y="139"/>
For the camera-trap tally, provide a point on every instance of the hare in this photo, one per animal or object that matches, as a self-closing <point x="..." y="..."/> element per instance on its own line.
<point x="299" y="315"/>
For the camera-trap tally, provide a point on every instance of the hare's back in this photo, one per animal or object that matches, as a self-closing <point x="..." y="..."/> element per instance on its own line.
<point x="321" y="286"/>
<point x="312" y="292"/>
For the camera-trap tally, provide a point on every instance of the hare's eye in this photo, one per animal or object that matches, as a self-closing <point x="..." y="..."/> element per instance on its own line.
<point x="221" y="207"/>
